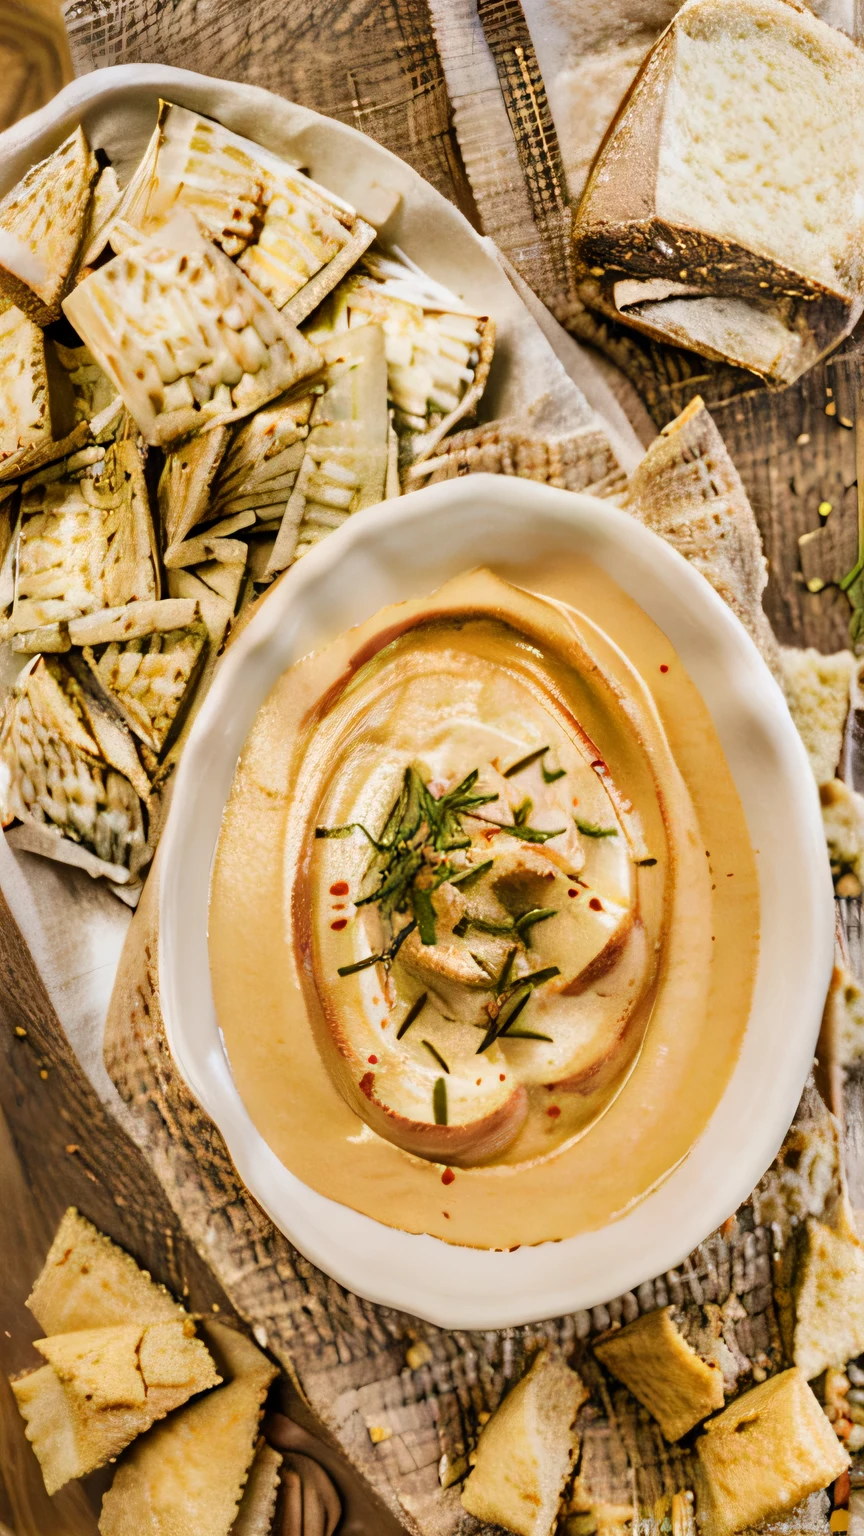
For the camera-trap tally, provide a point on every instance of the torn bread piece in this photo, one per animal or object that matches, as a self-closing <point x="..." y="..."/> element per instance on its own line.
<point x="841" y="1037"/>
<point x="186" y="338"/>
<point x="150" y="678"/>
<point x="86" y="540"/>
<point x="654" y="1359"/>
<point x="817" y="691"/>
<point x="198" y="1462"/>
<point x="114" y="1382"/>
<point x="344" y="465"/>
<point x="87" y="1281"/>
<point x="688" y="490"/>
<point x="843" y="820"/>
<point x="828" y="1298"/>
<point x="722" y="211"/>
<point x="526" y="1451"/>
<point x="438" y="352"/>
<point x="766" y="1452"/>
<point x="42" y="221"/>
<point x="71" y="768"/>
<point x="37" y="417"/>
<point x="294" y="239"/>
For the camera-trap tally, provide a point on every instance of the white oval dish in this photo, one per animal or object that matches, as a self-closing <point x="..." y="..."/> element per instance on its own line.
<point x="408" y="548"/>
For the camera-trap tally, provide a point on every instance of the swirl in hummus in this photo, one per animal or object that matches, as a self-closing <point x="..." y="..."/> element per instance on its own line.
<point x="496" y="916"/>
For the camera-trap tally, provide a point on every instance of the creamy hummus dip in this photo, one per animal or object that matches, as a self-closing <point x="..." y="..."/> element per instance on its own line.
<point x="484" y="912"/>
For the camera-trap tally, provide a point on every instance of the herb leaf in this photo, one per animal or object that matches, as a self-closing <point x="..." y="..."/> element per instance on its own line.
<point x="522" y="812"/>
<point x="525" y="762"/>
<point x="531" y="834"/>
<point x="439" y="1101"/>
<point x="421" y="902"/>
<point x="437" y="1055"/>
<point x="468" y="876"/>
<point x="528" y="920"/>
<point x="590" y="829"/>
<point x="550" y="775"/>
<point x="527" y="1034"/>
<point x="413" y="1013"/>
<point x="645" y="863"/>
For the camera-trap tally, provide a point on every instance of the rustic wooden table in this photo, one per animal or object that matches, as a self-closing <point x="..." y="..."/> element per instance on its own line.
<point x="452" y="87"/>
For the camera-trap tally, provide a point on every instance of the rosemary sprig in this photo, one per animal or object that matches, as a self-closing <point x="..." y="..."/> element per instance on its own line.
<point x="590" y="829"/>
<point x="439" y="1101"/>
<point x="528" y="1034"/>
<point x="387" y="955"/>
<point x="645" y="863"/>
<point x="424" y="912"/>
<point x="437" y="1055"/>
<point x="413" y="1014"/>
<point x="524" y="762"/>
<point x="482" y="925"/>
<point x="521" y="990"/>
<point x="522" y="812"/>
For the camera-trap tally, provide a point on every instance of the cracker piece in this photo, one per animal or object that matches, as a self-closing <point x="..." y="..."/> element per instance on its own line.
<point x="806" y="1177"/>
<point x="99" y="1364"/>
<point x="148" y="679"/>
<point x="185" y="482"/>
<point x="688" y="490"/>
<point x="187" y="1476"/>
<point x="580" y="460"/>
<point x="88" y="1282"/>
<point x="260" y="468"/>
<point x="258" y="1504"/>
<point x="42" y="221"/>
<point x="843" y="820"/>
<point x="438" y="352"/>
<point x="216" y="610"/>
<point x="817" y="692"/>
<point x="344" y="465"/>
<point x="654" y="1359"/>
<point x="137" y="313"/>
<point x="766" y="1452"/>
<point x="525" y="1452"/>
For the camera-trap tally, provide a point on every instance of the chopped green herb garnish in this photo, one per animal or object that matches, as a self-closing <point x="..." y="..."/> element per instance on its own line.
<point x="525" y="762"/>
<point x="520" y="989"/>
<point x="387" y="955"/>
<point x="482" y="925"/>
<point x="439" y="1101"/>
<point x="359" y="965"/>
<point x="522" y="812"/>
<point x="506" y="970"/>
<point x="413" y="1013"/>
<point x="529" y="920"/>
<point x="551" y="774"/>
<point x="527" y="1034"/>
<point x="437" y="1054"/>
<point x="590" y="829"/>
<point x="421" y="902"/>
<point x="531" y="834"/>
<point x="468" y="876"/>
<point x="645" y="863"/>
<point x="535" y="978"/>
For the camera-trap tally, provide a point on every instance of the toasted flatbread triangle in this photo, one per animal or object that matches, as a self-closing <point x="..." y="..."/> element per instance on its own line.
<point x="147" y="679"/>
<point x="188" y="1476"/>
<point x="138" y="313"/>
<point x="88" y="1282"/>
<point x="25" y="419"/>
<point x="438" y="353"/>
<point x="288" y="234"/>
<point x="185" y="481"/>
<point x="42" y="221"/>
<point x="260" y="468"/>
<point x="105" y="1386"/>
<point x="87" y="537"/>
<point x="344" y="466"/>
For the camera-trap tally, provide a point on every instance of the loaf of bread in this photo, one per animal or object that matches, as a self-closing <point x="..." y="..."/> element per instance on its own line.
<point x="723" y="212"/>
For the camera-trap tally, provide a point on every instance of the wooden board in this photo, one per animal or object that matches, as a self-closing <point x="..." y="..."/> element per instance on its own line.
<point x="181" y="1208"/>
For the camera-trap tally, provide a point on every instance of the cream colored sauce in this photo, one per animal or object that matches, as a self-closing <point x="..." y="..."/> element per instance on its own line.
<point x="708" y="957"/>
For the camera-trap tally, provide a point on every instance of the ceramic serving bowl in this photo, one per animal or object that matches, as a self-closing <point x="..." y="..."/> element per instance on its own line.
<point x="408" y="548"/>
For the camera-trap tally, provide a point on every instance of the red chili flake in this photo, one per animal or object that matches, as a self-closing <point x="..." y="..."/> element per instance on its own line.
<point x="664" y="667"/>
<point x="598" y="763"/>
<point x="502" y="1077"/>
<point x="550" y="1087"/>
<point x="479" y="1081"/>
<point x="575" y="799"/>
<point x="447" y="1176"/>
<point x="375" y="1002"/>
<point x="372" y="1060"/>
<point x="341" y="922"/>
<point x="338" y="906"/>
<point x="732" y="876"/>
<point x="446" y="1214"/>
<point x="553" y="1111"/>
<point x="340" y="888"/>
<point x="367" y="1083"/>
<point x="571" y="892"/>
<point x="595" y="905"/>
<point x="515" y="1248"/>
